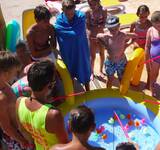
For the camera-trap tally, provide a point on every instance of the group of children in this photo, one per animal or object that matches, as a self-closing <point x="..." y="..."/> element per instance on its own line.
<point x="31" y="118"/>
<point x="143" y="33"/>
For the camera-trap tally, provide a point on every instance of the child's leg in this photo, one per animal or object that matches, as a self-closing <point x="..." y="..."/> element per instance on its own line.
<point x="87" y="87"/>
<point x="109" y="81"/>
<point x="110" y="70"/>
<point x="101" y="52"/>
<point x="93" y="47"/>
<point x="154" y="70"/>
<point x="148" y="76"/>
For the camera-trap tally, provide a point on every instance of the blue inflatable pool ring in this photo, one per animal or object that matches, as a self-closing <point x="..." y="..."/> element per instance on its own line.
<point x="12" y="35"/>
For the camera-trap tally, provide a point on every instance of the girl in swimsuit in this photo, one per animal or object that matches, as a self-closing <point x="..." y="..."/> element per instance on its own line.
<point x="140" y="27"/>
<point x="96" y="17"/>
<point x="152" y="49"/>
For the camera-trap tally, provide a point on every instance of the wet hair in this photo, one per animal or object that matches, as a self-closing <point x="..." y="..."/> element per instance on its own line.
<point x="81" y="119"/>
<point x="40" y="74"/>
<point x="125" y="146"/>
<point x="155" y="17"/>
<point x="68" y="4"/>
<point x="41" y="13"/>
<point x="142" y="9"/>
<point x="8" y="61"/>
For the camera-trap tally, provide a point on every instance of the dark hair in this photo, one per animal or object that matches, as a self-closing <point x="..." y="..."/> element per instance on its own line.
<point x="81" y="119"/>
<point x="125" y="146"/>
<point x="41" y="13"/>
<point x="142" y="9"/>
<point x="20" y="44"/>
<point x="155" y="17"/>
<point x="8" y="61"/>
<point x="40" y="74"/>
<point x="68" y="4"/>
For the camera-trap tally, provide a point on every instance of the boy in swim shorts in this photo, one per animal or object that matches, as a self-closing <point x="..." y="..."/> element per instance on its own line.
<point x="115" y="41"/>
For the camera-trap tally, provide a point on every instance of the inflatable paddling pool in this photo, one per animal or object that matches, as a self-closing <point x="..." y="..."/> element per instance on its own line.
<point x="139" y="118"/>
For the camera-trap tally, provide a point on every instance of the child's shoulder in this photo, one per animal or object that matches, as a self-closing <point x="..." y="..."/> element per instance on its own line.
<point x="88" y="11"/>
<point x="2" y="97"/>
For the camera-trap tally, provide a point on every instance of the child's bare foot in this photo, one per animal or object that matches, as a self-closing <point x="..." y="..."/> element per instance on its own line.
<point x="147" y="86"/>
<point x="92" y="77"/>
<point x="101" y="75"/>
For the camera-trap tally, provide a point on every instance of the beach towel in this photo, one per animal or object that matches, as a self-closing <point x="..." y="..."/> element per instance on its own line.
<point x="73" y="43"/>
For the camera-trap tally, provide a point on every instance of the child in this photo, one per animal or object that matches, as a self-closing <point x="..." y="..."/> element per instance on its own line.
<point x="23" y="54"/>
<point x="115" y="42"/>
<point x="140" y="28"/>
<point x="41" y="37"/>
<point x="41" y="120"/>
<point x="81" y="124"/>
<point x="95" y="18"/>
<point x="72" y="39"/>
<point x="9" y="66"/>
<point x="152" y="49"/>
<point x="127" y="146"/>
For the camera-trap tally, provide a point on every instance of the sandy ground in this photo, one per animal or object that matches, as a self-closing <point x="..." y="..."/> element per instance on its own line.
<point x="12" y="9"/>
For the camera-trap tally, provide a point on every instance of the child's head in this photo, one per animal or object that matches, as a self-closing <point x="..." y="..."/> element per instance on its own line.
<point x="68" y="7"/>
<point x="41" y="13"/>
<point x="9" y="65"/>
<point x="94" y="4"/>
<point x="41" y="75"/>
<point x="143" y="13"/>
<point x="22" y="52"/>
<point x="125" y="146"/>
<point x="155" y="19"/>
<point x="82" y="120"/>
<point x="112" y="23"/>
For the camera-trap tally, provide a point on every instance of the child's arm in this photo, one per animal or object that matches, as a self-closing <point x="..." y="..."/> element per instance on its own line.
<point x="132" y="28"/>
<point x="88" y="20"/>
<point x="148" y="45"/>
<point x="104" y="16"/>
<point x="101" y="38"/>
<point x="53" y="41"/>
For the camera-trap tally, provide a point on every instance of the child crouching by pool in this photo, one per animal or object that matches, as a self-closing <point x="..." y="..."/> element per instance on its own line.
<point x="81" y="124"/>
<point x="115" y="41"/>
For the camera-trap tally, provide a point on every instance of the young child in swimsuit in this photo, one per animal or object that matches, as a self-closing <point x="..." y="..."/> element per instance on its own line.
<point x="95" y="18"/>
<point x="115" y="42"/>
<point x="41" y="37"/>
<point x="23" y="54"/>
<point x="152" y="49"/>
<point x="140" y="27"/>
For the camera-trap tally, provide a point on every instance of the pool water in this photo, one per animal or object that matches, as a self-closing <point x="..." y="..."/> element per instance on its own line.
<point x="109" y="134"/>
<point x="136" y="119"/>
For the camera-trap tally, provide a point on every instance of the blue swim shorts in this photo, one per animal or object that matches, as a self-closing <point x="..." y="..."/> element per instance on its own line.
<point x="111" y="67"/>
